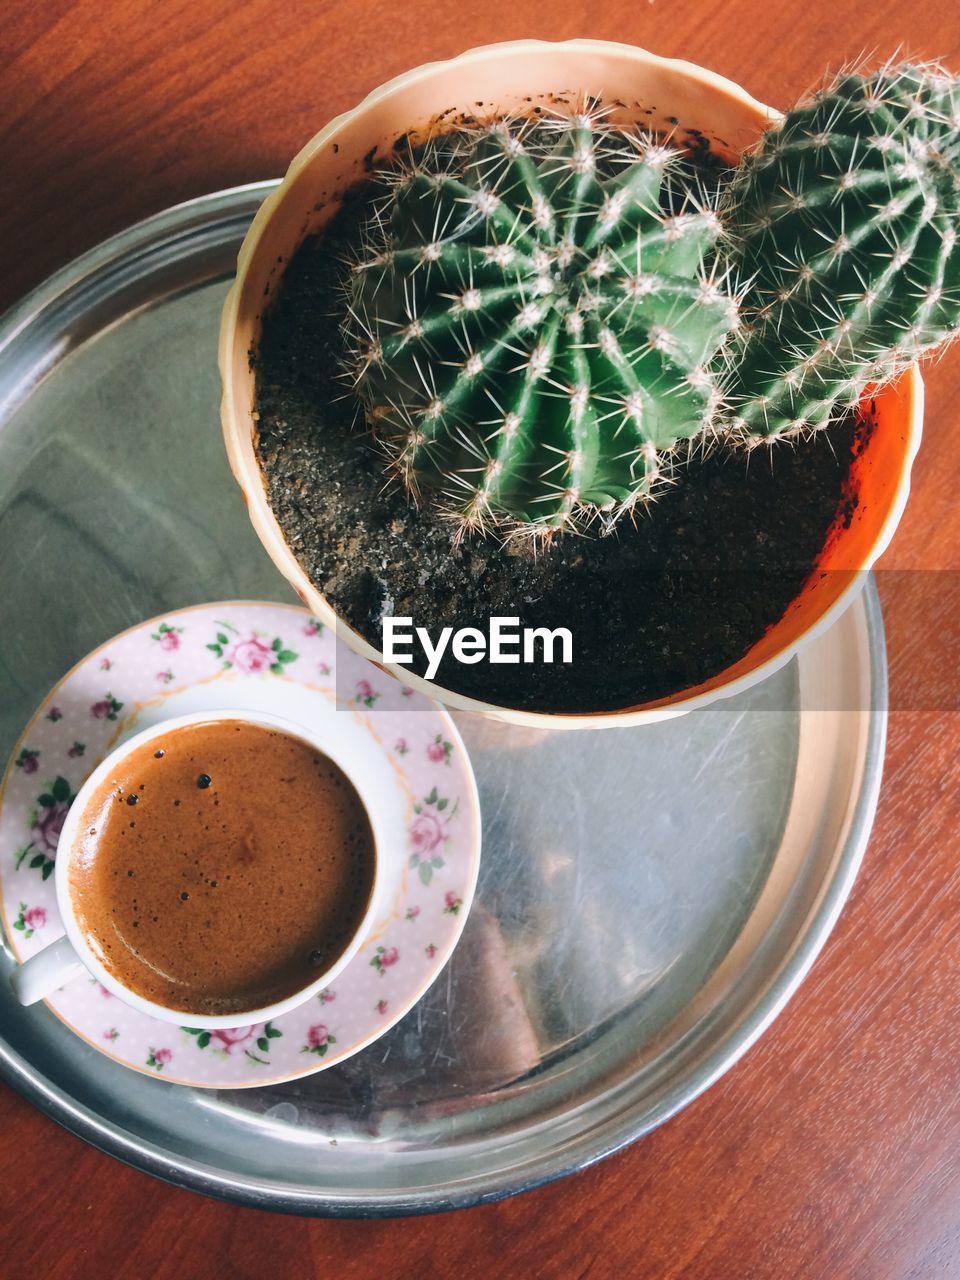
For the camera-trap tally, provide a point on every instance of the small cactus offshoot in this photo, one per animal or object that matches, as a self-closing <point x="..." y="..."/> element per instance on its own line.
<point x="846" y="220"/>
<point x="531" y="324"/>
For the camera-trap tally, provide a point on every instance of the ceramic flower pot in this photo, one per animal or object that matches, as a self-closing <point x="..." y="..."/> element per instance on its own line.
<point x="515" y="77"/>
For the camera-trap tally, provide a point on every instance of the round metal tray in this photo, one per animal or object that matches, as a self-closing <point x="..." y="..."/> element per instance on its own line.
<point x="649" y="898"/>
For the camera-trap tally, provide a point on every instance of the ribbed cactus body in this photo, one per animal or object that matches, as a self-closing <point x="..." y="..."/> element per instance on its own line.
<point x="531" y="328"/>
<point x="846" y="218"/>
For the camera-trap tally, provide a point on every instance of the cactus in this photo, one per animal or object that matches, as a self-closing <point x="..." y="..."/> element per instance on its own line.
<point x="530" y="322"/>
<point x="846" y="219"/>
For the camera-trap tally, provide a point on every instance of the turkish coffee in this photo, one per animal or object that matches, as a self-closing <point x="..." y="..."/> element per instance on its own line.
<point x="222" y="867"/>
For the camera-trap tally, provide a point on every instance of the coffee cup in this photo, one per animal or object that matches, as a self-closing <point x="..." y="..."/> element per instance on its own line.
<point x="81" y="950"/>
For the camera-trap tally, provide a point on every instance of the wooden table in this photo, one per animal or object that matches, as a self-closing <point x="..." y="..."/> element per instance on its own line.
<point x="830" y="1151"/>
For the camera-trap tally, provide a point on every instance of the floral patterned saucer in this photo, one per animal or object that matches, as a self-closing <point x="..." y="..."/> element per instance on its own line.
<point x="261" y="657"/>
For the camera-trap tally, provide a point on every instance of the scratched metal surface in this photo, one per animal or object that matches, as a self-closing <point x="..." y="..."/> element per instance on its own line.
<point x="648" y="898"/>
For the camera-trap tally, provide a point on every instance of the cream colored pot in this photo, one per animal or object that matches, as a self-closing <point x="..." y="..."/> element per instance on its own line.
<point x="516" y="77"/>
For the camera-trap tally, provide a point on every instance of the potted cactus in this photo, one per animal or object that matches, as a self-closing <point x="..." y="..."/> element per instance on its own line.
<point x="540" y="311"/>
<point x="845" y="221"/>
<point x="529" y="331"/>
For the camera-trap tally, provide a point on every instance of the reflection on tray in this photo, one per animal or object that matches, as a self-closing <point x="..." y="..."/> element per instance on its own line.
<point x="442" y="1057"/>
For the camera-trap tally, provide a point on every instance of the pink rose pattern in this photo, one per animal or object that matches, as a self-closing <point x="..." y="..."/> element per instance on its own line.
<point x="49" y="824"/>
<point x="228" y="1038"/>
<point x="27" y="760"/>
<point x="254" y="1040"/>
<point x="46" y="823"/>
<point x="167" y="637"/>
<point x="223" y="1039"/>
<point x="107" y="708"/>
<point x="439" y="750"/>
<point x="251" y="656"/>
<point x="29" y="920"/>
<point x="366" y="695"/>
<point x="384" y="958"/>
<point x="319" y="1040"/>
<point x="427" y="835"/>
<point x="250" y="653"/>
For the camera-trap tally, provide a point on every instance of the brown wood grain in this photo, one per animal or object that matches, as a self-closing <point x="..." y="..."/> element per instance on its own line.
<point x="833" y="1149"/>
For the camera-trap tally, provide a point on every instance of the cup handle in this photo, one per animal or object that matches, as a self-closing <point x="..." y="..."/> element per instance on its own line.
<point x="43" y="973"/>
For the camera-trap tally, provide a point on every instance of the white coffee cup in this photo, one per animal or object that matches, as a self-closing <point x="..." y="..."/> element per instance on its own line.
<point x="70" y="955"/>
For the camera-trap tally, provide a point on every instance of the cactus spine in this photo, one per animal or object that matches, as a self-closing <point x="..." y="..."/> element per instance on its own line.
<point x="530" y="327"/>
<point x="845" y="218"/>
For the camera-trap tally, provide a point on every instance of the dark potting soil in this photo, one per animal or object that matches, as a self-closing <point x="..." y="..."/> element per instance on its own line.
<point x="652" y="608"/>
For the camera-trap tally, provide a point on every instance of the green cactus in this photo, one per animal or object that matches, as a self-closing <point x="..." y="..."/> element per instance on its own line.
<point x="531" y="323"/>
<point x="845" y="219"/>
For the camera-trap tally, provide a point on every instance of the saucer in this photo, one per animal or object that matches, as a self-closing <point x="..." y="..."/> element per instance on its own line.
<point x="264" y="657"/>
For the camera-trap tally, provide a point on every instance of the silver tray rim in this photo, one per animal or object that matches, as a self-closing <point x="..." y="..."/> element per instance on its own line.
<point x="237" y="203"/>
